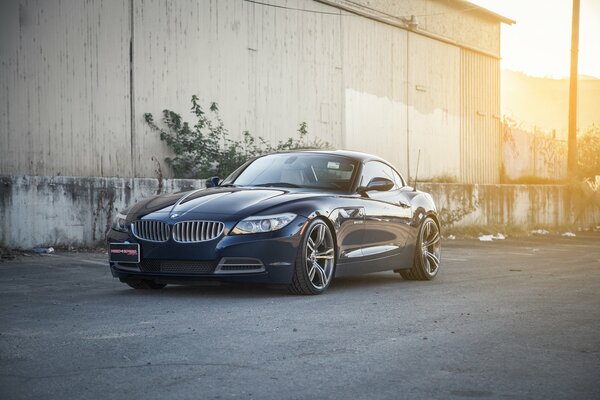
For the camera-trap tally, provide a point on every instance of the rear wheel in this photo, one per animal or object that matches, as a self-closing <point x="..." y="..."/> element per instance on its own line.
<point x="427" y="253"/>
<point x="144" y="284"/>
<point x="315" y="263"/>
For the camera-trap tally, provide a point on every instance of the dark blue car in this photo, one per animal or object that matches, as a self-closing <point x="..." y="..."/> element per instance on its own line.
<point x="296" y="219"/>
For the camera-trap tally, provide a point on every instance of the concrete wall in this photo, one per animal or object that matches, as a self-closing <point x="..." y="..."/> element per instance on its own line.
<point x="533" y="154"/>
<point x="523" y="206"/>
<point x="70" y="211"/>
<point x="76" y="78"/>
<point x="78" y="211"/>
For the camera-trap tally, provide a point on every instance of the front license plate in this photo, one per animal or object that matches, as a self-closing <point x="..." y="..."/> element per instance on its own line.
<point x="124" y="252"/>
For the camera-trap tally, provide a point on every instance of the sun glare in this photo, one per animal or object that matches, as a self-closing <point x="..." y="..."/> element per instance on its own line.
<point x="539" y="44"/>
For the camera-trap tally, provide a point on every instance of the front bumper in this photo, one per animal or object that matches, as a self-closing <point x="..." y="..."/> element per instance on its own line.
<point x="258" y="258"/>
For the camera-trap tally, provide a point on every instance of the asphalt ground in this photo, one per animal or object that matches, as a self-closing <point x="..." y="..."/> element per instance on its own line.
<point x="518" y="318"/>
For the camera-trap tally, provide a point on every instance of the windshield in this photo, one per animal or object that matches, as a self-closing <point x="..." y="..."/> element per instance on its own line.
<point x="310" y="170"/>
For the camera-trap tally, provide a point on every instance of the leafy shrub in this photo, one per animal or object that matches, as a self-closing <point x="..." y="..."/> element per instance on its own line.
<point x="588" y="152"/>
<point x="204" y="149"/>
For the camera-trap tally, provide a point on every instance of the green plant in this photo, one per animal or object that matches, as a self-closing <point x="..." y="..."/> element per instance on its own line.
<point x="204" y="149"/>
<point x="588" y="152"/>
<point x="448" y="217"/>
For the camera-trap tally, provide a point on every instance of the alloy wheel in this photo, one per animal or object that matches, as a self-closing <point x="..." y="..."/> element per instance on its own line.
<point x="320" y="255"/>
<point x="430" y="247"/>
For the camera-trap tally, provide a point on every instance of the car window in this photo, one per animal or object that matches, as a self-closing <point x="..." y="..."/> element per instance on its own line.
<point x="376" y="169"/>
<point x="312" y="170"/>
<point x="398" y="179"/>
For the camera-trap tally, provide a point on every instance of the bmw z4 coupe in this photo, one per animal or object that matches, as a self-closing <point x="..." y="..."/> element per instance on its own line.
<point x="297" y="219"/>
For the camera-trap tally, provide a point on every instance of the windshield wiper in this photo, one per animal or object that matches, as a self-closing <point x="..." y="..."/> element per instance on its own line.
<point x="282" y="184"/>
<point x="228" y="185"/>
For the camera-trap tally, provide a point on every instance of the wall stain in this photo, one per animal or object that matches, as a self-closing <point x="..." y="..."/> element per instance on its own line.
<point x="105" y="204"/>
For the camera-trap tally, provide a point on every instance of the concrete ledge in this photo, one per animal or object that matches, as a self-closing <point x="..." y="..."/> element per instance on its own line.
<point x="524" y="206"/>
<point x="78" y="211"/>
<point x="70" y="210"/>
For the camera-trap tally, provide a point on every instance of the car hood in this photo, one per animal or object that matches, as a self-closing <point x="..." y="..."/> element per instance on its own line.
<point x="231" y="201"/>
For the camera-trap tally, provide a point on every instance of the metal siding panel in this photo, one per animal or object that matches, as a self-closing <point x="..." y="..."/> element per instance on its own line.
<point x="64" y="85"/>
<point x="434" y="107"/>
<point x="480" y="131"/>
<point x="65" y="105"/>
<point x="268" y="68"/>
<point x="375" y="112"/>
<point x="445" y="18"/>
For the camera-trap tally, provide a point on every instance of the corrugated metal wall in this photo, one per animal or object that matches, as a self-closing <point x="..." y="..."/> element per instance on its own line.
<point x="480" y="124"/>
<point x="375" y="62"/>
<point x="434" y="106"/>
<point x="64" y="88"/>
<point x="72" y="100"/>
<point x="268" y="68"/>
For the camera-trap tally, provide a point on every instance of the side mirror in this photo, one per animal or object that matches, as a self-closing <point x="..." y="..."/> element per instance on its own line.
<point x="212" y="182"/>
<point x="377" y="184"/>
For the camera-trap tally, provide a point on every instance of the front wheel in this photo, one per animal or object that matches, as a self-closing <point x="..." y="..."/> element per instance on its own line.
<point x="315" y="263"/>
<point x="427" y="253"/>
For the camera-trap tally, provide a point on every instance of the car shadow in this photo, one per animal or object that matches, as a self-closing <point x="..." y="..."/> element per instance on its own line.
<point x="342" y="285"/>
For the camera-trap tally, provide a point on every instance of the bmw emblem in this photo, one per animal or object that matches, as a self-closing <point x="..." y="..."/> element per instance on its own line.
<point x="173" y="216"/>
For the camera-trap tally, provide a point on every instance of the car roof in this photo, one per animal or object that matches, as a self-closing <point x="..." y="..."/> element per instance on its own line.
<point x="355" y="155"/>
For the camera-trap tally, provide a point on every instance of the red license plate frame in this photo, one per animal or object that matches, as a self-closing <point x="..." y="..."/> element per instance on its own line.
<point x="124" y="252"/>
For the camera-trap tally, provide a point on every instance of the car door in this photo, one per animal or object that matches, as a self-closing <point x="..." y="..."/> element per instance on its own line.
<point x="387" y="214"/>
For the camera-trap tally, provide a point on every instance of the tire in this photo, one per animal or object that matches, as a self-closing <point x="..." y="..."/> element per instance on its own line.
<point x="427" y="259"/>
<point x="144" y="284"/>
<point x="315" y="264"/>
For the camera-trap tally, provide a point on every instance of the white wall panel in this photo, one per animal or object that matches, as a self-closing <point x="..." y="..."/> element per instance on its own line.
<point x="459" y="23"/>
<point x="434" y="112"/>
<point x="66" y="79"/>
<point x="268" y="68"/>
<point x="64" y="84"/>
<point x="481" y="136"/>
<point x="375" y="89"/>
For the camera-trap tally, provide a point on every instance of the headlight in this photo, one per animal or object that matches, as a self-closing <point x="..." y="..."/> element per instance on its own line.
<point x="263" y="223"/>
<point x="119" y="224"/>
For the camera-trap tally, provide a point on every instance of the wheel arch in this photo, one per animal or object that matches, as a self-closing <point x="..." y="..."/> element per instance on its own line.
<point x="434" y="215"/>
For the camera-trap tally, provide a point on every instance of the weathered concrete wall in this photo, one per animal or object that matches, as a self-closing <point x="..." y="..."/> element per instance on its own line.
<point x="70" y="211"/>
<point x="533" y="154"/>
<point x="78" y="211"/>
<point x="525" y="206"/>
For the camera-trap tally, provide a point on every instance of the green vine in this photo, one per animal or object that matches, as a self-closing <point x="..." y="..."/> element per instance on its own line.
<point x="204" y="149"/>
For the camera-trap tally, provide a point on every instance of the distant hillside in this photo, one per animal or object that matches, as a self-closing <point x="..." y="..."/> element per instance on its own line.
<point x="544" y="102"/>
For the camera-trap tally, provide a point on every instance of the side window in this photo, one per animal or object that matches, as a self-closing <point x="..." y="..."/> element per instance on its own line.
<point x="376" y="169"/>
<point x="398" y="179"/>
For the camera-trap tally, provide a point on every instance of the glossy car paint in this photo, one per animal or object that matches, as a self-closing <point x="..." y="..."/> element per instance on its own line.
<point x="374" y="231"/>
